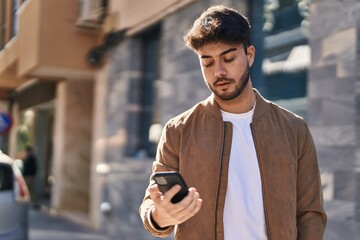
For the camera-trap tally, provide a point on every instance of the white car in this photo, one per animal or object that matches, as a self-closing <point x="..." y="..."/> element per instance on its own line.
<point x="14" y="201"/>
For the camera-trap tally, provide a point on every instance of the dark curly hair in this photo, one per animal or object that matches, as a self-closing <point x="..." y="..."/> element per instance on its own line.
<point x="219" y="24"/>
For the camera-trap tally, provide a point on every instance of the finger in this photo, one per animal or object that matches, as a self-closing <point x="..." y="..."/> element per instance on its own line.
<point x="187" y="212"/>
<point x="198" y="205"/>
<point x="192" y="209"/>
<point x="192" y="205"/>
<point x="188" y="204"/>
<point x="154" y="187"/>
<point x="198" y="201"/>
<point x="171" y="192"/>
<point x="189" y="198"/>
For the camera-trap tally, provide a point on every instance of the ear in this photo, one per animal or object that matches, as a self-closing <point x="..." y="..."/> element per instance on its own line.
<point x="251" y="54"/>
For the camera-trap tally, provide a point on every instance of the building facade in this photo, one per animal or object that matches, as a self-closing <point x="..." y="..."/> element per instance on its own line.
<point x="91" y="83"/>
<point x="48" y="88"/>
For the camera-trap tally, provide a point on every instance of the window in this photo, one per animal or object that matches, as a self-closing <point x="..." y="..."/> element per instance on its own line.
<point x="8" y="20"/>
<point x="286" y="54"/>
<point x="281" y="15"/>
<point x="150" y="74"/>
<point x="142" y="122"/>
<point x="15" y="7"/>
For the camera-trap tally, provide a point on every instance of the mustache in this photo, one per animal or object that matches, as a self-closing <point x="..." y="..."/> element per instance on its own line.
<point x="223" y="79"/>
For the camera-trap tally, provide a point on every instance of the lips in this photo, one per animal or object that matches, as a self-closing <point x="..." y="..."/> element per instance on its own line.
<point x="222" y="82"/>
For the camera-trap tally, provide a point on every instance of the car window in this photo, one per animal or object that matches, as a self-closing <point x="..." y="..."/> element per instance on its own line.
<point x="6" y="177"/>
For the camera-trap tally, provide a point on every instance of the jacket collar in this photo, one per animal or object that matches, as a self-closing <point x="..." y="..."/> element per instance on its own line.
<point x="261" y="106"/>
<point x="213" y="108"/>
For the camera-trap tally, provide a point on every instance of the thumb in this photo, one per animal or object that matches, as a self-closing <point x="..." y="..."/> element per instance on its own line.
<point x="155" y="193"/>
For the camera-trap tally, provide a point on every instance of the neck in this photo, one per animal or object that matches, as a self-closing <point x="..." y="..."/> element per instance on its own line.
<point x="242" y="104"/>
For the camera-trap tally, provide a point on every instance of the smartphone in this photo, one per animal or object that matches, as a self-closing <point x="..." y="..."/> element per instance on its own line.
<point x="166" y="180"/>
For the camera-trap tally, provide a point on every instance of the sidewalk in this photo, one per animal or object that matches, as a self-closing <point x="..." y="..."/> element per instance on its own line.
<point x="44" y="226"/>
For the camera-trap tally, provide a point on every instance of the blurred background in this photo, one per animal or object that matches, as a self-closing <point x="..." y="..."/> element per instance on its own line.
<point x="90" y="83"/>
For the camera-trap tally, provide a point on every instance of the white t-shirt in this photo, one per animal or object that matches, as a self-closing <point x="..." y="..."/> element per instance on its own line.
<point x="244" y="216"/>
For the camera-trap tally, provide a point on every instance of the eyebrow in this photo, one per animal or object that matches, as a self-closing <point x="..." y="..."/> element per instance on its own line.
<point x="223" y="53"/>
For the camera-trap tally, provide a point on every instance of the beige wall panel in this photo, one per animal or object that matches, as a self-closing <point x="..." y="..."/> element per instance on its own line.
<point x="9" y="55"/>
<point x="62" y="45"/>
<point x="49" y="39"/>
<point x="141" y="13"/>
<point x="72" y="144"/>
<point x="29" y="36"/>
<point x="8" y="78"/>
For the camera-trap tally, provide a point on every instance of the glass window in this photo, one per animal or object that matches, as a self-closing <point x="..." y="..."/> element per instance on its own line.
<point x="282" y="15"/>
<point x="150" y="75"/>
<point x="15" y="6"/>
<point x="286" y="3"/>
<point x="143" y="125"/>
<point x="286" y="53"/>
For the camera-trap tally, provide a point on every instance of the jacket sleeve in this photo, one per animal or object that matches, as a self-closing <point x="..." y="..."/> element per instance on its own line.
<point x="166" y="160"/>
<point x="311" y="217"/>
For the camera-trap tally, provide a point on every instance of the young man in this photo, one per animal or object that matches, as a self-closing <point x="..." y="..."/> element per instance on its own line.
<point x="251" y="164"/>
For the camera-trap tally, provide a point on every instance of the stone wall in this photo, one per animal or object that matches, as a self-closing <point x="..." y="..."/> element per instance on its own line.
<point x="123" y="187"/>
<point x="333" y="110"/>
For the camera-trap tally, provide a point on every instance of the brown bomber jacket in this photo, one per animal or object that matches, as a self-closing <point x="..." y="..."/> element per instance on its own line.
<point x="197" y="144"/>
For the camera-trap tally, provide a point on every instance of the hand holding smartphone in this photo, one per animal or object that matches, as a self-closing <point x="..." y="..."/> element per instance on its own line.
<point x="166" y="180"/>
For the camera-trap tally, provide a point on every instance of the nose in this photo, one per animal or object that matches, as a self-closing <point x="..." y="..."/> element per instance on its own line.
<point x="219" y="70"/>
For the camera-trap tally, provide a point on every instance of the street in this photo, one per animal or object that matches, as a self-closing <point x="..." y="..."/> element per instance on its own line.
<point x="45" y="226"/>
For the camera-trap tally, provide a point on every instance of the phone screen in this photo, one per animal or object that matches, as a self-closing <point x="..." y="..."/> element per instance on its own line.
<point x="166" y="180"/>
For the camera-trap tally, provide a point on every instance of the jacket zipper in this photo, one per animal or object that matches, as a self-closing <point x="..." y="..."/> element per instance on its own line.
<point x="262" y="181"/>
<point x="219" y="179"/>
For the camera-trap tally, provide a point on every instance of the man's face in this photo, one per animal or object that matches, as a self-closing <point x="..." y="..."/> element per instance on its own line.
<point x="225" y="68"/>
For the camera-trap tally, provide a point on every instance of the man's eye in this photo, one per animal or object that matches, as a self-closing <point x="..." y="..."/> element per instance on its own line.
<point x="207" y="64"/>
<point x="229" y="60"/>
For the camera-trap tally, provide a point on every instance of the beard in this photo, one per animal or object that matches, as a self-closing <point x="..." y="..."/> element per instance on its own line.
<point x="239" y="86"/>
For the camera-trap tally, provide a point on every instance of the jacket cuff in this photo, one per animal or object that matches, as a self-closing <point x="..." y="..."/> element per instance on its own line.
<point x="154" y="229"/>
